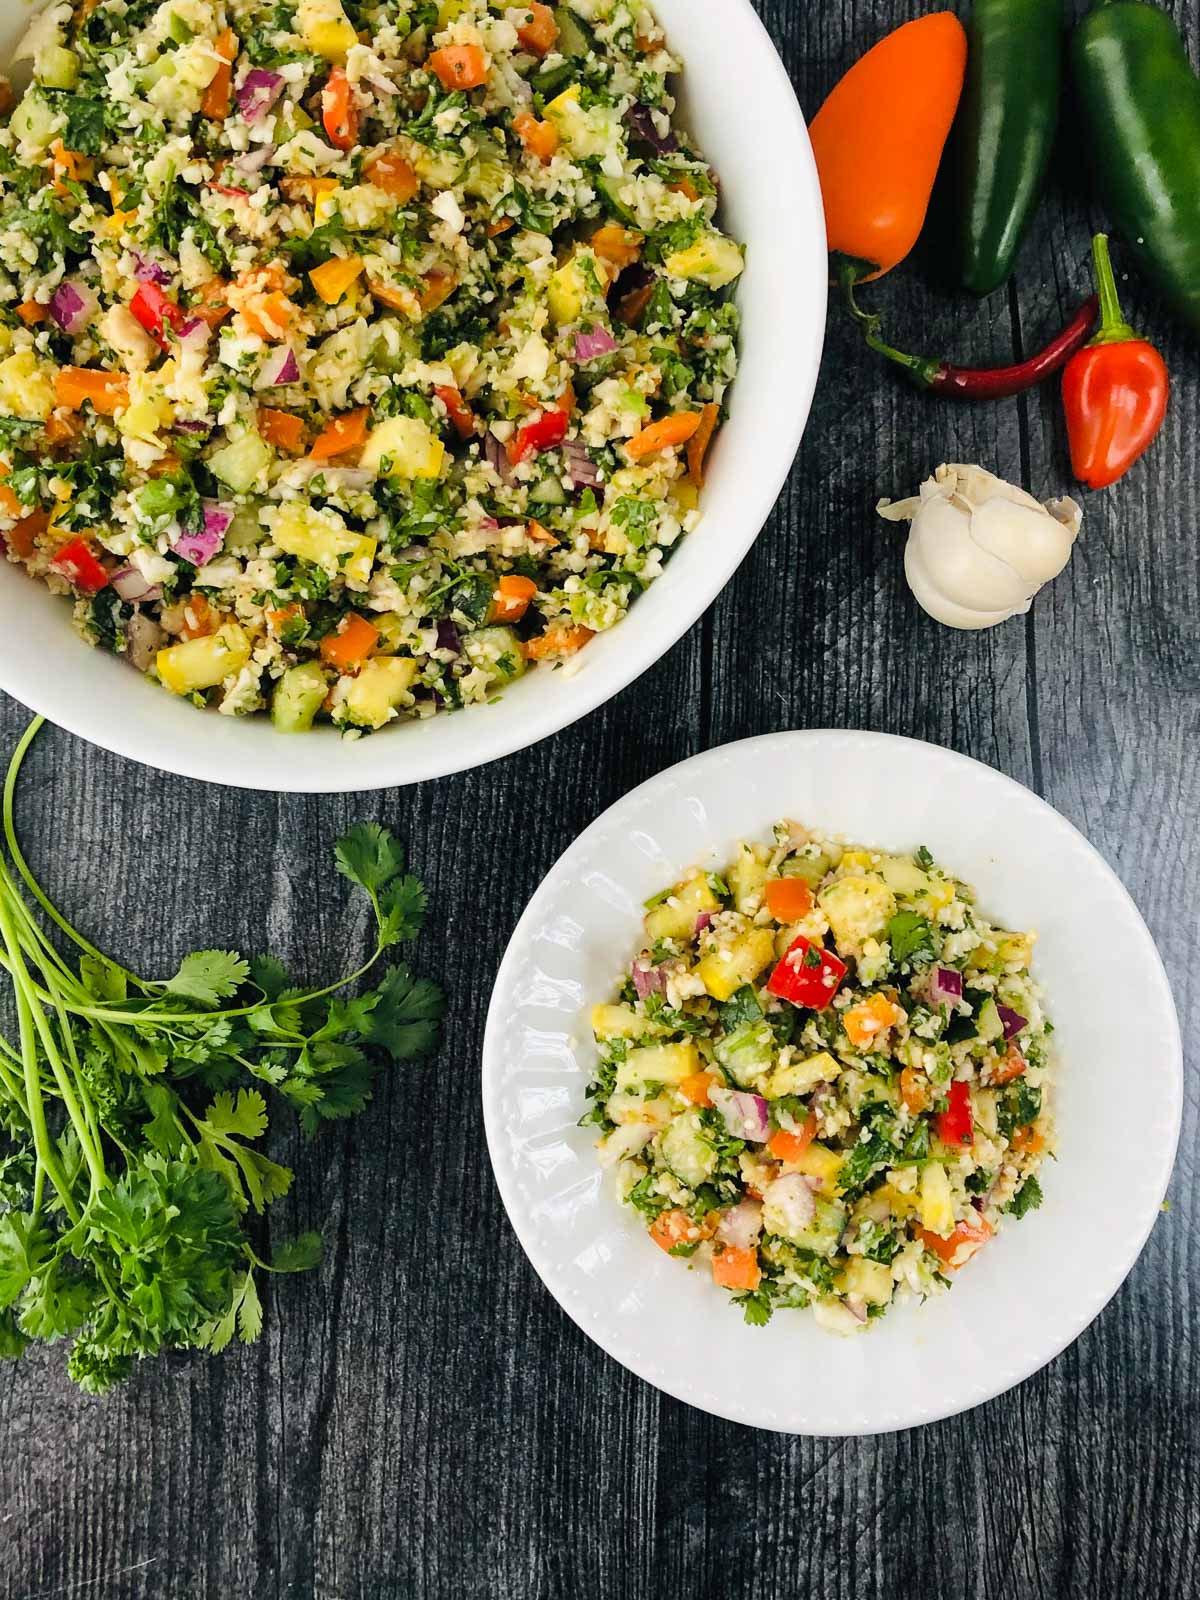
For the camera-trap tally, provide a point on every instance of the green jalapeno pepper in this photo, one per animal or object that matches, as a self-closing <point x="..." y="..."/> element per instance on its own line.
<point x="1005" y="131"/>
<point x="1140" y="101"/>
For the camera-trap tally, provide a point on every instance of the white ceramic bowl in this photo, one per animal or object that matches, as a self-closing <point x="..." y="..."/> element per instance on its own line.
<point x="737" y="99"/>
<point x="1118" y="1098"/>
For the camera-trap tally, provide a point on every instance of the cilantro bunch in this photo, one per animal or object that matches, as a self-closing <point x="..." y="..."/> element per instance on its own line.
<point x="133" y="1115"/>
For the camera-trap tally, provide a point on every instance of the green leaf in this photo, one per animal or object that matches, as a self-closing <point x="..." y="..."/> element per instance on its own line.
<point x="301" y="1254"/>
<point x="1027" y="1198"/>
<point x="911" y="939"/>
<point x="164" y="1132"/>
<point x="756" y="1307"/>
<point x="269" y="975"/>
<point x="402" y="910"/>
<point x="246" y="1116"/>
<point x="250" y="1315"/>
<point x="369" y="856"/>
<point x="208" y="976"/>
<point x="13" y="1342"/>
<point x="24" y="1248"/>
<point x="102" y="979"/>
<point x="405" y="1021"/>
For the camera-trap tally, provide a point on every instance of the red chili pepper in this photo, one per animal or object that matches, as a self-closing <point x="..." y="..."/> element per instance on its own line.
<point x="79" y="566"/>
<point x="955" y="1125"/>
<point x="154" y="311"/>
<point x="543" y="434"/>
<point x="808" y="974"/>
<point x="1114" y="392"/>
<point x="985" y="383"/>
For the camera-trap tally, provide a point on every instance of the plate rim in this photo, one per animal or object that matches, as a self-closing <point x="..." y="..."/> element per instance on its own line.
<point x="513" y="953"/>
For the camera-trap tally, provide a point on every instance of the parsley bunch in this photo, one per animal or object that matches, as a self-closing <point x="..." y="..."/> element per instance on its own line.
<point x="133" y="1115"/>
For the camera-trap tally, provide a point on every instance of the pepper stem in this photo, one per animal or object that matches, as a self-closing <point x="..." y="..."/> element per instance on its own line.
<point x="1113" y="328"/>
<point x="923" y="370"/>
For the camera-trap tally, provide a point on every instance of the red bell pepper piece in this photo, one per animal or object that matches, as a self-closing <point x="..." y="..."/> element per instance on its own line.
<point x="1114" y="390"/>
<point x="957" y="1248"/>
<point x="155" y="312"/>
<point x="542" y="434"/>
<point x="808" y="975"/>
<point x="955" y="1124"/>
<point x="79" y="566"/>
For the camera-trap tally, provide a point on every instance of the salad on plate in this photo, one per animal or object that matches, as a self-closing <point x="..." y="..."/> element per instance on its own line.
<point x="354" y="357"/>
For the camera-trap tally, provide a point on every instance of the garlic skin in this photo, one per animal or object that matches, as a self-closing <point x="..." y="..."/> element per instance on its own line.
<point x="979" y="548"/>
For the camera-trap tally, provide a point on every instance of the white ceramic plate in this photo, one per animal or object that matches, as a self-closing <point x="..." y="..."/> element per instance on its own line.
<point x="771" y="200"/>
<point x="1118" y="1099"/>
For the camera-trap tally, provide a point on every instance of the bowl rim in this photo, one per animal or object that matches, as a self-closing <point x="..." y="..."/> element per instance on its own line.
<point x="499" y="1018"/>
<point x="323" y="764"/>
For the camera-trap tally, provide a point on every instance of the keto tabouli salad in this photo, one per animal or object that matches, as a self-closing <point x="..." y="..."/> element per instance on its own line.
<point x="352" y="355"/>
<point x="826" y="1077"/>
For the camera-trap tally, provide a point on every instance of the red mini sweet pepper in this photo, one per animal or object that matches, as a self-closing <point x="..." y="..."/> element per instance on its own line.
<point x="1114" y="390"/>
<point x="955" y="1124"/>
<point x="808" y="975"/>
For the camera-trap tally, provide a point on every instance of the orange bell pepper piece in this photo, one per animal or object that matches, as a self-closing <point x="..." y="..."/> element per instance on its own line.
<point x="215" y="103"/>
<point x="350" y="644"/>
<point x="210" y="304"/>
<point x="199" y="618"/>
<point x="457" y="409"/>
<point x="676" y="1227"/>
<point x="541" y="31"/>
<point x="1011" y="1067"/>
<point x="958" y="1247"/>
<point x="733" y="1268"/>
<point x="539" y="535"/>
<point x="914" y="1090"/>
<point x="618" y="245"/>
<point x="439" y="286"/>
<point x="338" y="110"/>
<point x="108" y="392"/>
<point x="1028" y="1141"/>
<point x="785" y="1144"/>
<point x="31" y="312"/>
<point x="698" y="444"/>
<point x="695" y="1087"/>
<point x="511" y="600"/>
<point x="391" y="173"/>
<point x="561" y="640"/>
<point x="22" y="538"/>
<point x="668" y="431"/>
<point x="283" y="429"/>
<point x="345" y="433"/>
<point x="867" y="1022"/>
<point x="541" y="139"/>
<point x="788" y="899"/>
<point x="459" y="66"/>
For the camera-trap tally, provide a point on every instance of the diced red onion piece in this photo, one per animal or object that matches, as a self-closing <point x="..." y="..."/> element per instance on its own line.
<point x="191" y="425"/>
<point x="200" y="548"/>
<point x="945" y="987"/>
<point x="254" y="160"/>
<point x="258" y="92"/>
<point x="599" y="342"/>
<point x="857" y="1307"/>
<point x="703" y="918"/>
<point x="497" y="457"/>
<point x="147" y="270"/>
<point x="580" y="468"/>
<point x="131" y="586"/>
<point x="72" y="305"/>
<point x="791" y="1194"/>
<point x="647" y="979"/>
<point x="448" y="636"/>
<point x="640" y="122"/>
<point x="192" y="326"/>
<point x="745" y="1114"/>
<point x="741" y="1227"/>
<point x="382" y="86"/>
<point x="280" y="366"/>
<point x="1013" y="1021"/>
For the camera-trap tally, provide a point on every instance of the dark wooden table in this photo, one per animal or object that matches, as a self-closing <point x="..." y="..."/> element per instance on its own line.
<point x="419" y="1418"/>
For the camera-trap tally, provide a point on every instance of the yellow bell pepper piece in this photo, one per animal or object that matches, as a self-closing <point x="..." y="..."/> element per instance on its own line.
<point x="332" y="278"/>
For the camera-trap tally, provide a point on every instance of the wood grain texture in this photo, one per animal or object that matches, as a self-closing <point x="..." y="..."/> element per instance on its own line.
<point x="419" y="1419"/>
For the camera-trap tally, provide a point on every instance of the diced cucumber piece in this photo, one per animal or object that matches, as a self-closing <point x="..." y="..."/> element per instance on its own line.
<point x="747" y="1052"/>
<point x="439" y="169"/>
<point x="822" y="1234"/>
<point x="686" y="1152"/>
<point x="658" y="1063"/>
<point x="239" y="463"/>
<point x="245" y="532"/>
<point x="298" y="697"/>
<point x="178" y="28"/>
<point x="903" y="876"/>
<point x="58" y="67"/>
<point x="988" y="1025"/>
<point x="811" y="868"/>
<point x="549" y="492"/>
<point x="35" y="121"/>
<point x="497" y="651"/>
<point x="551" y="80"/>
<point x="610" y="193"/>
<point x="575" y="38"/>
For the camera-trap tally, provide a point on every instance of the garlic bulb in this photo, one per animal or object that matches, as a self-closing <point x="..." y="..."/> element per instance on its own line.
<point x="979" y="549"/>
